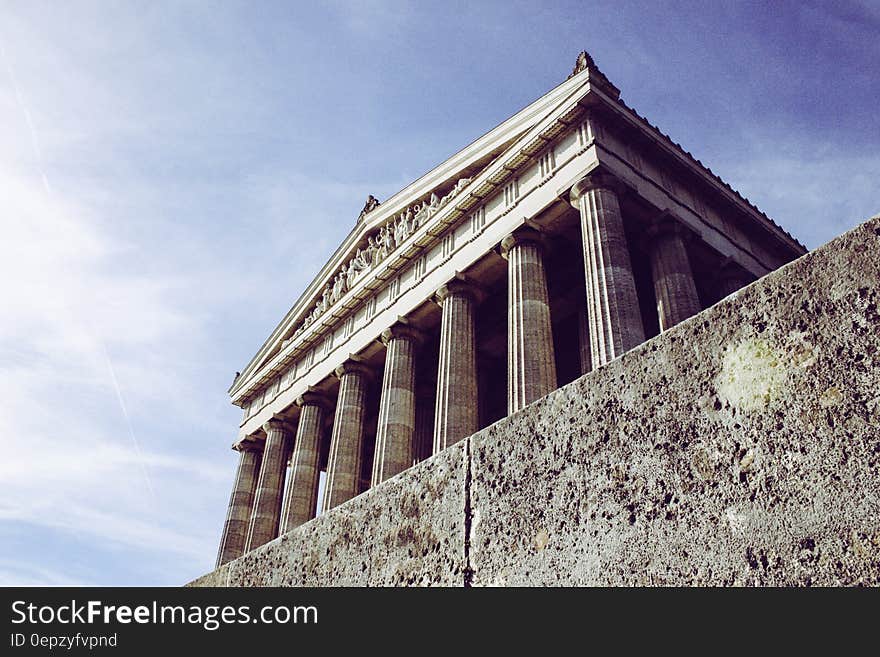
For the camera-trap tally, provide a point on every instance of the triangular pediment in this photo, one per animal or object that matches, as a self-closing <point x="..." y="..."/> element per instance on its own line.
<point x="406" y="212"/>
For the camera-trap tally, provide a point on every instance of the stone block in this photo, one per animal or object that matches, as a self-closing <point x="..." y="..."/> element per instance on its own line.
<point x="408" y="531"/>
<point x="742" y="447"/>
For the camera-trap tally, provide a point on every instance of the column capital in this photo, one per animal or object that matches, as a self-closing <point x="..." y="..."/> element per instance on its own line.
<point x="354" y="365"/>
<point x="665" y="224"/>
<point x="249" y="444"/>
<point x="522" y="235"/>
<point x="275" y="424"/>
<point x="460" y="284"/>
<point x="313" y="397"/>
<point x="596" y="180"/>
<point x="402" y="329"/>
<point x="669" y="223"/>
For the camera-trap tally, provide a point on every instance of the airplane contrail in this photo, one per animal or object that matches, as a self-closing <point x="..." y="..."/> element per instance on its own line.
<point x="38" y="154"/>
<point x="134" y="440"/>
<point x="35" y="142"/>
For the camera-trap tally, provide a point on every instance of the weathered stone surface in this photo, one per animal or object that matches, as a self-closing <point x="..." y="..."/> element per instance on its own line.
<point x="740" y="447"/>
<point x="409" y="530"/>
<point x="217" y="577"/>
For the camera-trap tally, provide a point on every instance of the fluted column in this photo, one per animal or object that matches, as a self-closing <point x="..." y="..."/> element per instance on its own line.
<point x="423" y="437"/>
<point x="300" y="499"/>
<point x="344" y="463"/>
<point x="241" y="502"/>
<point x="456" y="410"/>
<point x="612" y="303"/>
<point x="730" y="279"/>
<point x="674" y="286"/>
<point x="270" y="487"/>
<point x="397" y="407"/>
<point x="584" y="348"/>
<point x="531" y="365"/>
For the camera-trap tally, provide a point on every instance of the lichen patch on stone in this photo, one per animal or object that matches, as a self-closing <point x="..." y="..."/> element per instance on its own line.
<point x="831" y="397"/>
<point x="702" y="464"/>
<point x="752" y="375"/>
<point x="804" y="354"/>
<point x="541" y="539"/>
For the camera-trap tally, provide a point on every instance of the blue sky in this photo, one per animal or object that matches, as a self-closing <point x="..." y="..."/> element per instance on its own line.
<point x="172" y="174"/>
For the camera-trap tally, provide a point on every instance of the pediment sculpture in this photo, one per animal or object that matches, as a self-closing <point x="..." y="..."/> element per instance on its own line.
<point x="379" y="245"/>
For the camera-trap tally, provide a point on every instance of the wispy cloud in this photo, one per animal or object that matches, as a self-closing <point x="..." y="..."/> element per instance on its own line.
<point x="811" y="186"/>
<point x="16" y="573"/>
<point x="35" y="142"/>
<point x="78" y="466"/>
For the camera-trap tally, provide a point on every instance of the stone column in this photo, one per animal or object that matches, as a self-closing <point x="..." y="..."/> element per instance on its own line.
<point x="612" y="303"/>
<point x="302" y="481"/>
<point x="397" y="407"/>
<point x="731" y="279"/>
<point x="674" y="286"/>
<point x="456" y="411"/>
<point x="584" y="348"/>
<point x="346" y="442"/>
<point x="531" y="368"/>
<point x="423" y="437"/>
<point x="270" y="487"/>
<point x="241" y="502"/>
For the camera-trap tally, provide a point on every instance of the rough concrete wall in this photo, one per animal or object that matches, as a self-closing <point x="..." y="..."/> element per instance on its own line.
<point x="740" y="447"/>
<point x="407" y="531"/>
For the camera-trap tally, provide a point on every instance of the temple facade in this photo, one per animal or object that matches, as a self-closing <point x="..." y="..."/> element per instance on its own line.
<point x="554" y="243"/>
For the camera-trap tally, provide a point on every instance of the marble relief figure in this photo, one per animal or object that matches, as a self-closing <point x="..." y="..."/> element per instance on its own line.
<point x="379" y="245"/>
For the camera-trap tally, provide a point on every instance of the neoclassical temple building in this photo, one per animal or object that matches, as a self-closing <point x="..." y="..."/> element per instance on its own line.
<point x="557" y="241"/>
